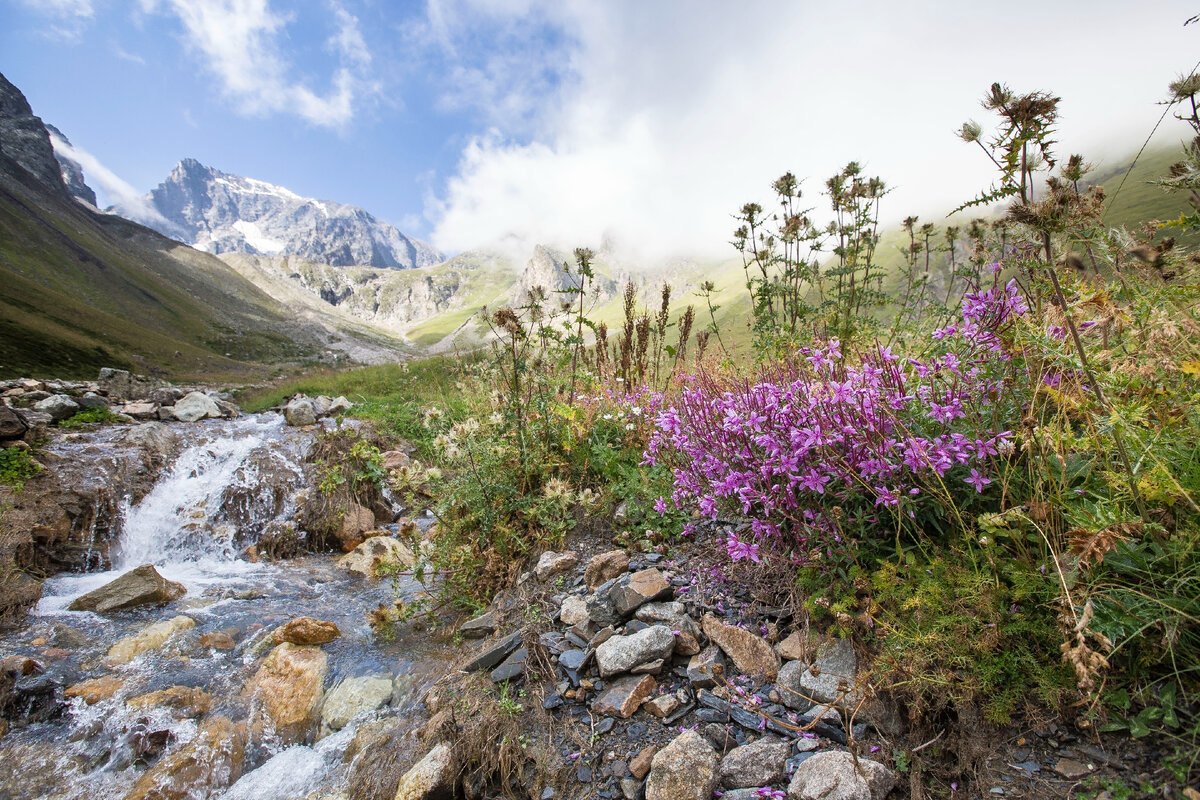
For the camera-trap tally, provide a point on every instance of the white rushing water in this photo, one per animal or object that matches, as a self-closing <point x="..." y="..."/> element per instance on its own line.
<point x="221" y="490"/>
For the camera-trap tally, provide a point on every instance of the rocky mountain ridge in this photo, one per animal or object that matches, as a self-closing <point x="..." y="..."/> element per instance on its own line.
<point x="220" y="213"/>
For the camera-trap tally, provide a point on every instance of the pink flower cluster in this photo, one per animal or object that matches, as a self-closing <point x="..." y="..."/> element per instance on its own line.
<point x="883" y="436"/>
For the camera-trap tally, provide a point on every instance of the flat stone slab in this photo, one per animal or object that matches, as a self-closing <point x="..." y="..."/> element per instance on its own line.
<point x="492" y="656"/>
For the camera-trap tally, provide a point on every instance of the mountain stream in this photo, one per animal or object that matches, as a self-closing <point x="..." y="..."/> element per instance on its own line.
<point x="232" y="480"/>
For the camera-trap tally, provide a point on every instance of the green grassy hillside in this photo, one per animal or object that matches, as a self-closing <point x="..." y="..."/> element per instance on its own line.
<point x="80" y="290"/>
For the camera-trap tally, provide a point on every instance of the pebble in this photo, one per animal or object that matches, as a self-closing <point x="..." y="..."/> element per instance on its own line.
<point x="584" y="774"/>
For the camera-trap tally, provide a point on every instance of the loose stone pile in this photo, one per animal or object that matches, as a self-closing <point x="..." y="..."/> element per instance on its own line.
<point x="679" y="700"/>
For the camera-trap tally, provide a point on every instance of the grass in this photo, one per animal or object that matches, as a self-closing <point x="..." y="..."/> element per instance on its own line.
<point x="16" y="467"/>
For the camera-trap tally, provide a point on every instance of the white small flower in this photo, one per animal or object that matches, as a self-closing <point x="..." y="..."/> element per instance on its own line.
<point x="630" y="426"/>
<point x="636" y="411"/>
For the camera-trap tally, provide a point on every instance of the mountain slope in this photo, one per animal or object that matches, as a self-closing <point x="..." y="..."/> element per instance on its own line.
<point x="81" y="290"/>
<point x="222" y="213"/>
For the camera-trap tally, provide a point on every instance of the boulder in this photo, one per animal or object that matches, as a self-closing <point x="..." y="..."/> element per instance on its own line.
<point x="195" y="406"/>
<point x="355" y="696"/>
<point x="339" y="405"/>
<point x="639" y="588"/>
<point x="92" y="400"/>
<point x="835" y="775"/>
<point x="672" y="614"/>
<point x="116" y="383"/>
<point x="94" y="690"/>
<point x="150" y="638"/>
<point x="356" y="520"/>
<point x="140" y="410"/>
<point x="321" y="405"/>
<point x="832" y="675"/>
<point x="605" y="567"/>
<point x="37" y="422"/>
<point x="758" y="764"/>
<point x="163" y="396"/>
<point x="623" y="653"/>
<point x="749" y="652"/>
<point x="12" y="426"/>
<point x="686" y="769"/>
<point x="139" y="587"/>
<point x="306" y="631"/>
<point x="300" y="411"/>
<point x="155" y="438"/>
<point x="58" y="406"/>
<point x="288" y="689"/>
<point x="624" y="696"/>
<point x="368" y="557"/>
<point x="198" y="770"/>
<point x="188" y="701"/>
<point x="431" y="778"/>
<point x="552" y="563"/>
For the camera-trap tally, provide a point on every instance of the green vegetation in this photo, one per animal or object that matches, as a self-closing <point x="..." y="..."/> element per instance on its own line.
<point x="16" y="467"/>
<point x="88" y="416"/>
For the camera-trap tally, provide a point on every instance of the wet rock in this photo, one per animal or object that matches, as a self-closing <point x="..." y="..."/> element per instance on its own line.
<point x="300" y="412"/>
<point x="58" y="406"/>
<point x="704" y="668"/>
<point x="150" y="638"/>
<point x="637" y="589"/>
<point x="624" y="696"/>
<point x="155" y="438"/>
<point x="552" y="563"/>
<point x="200" y="769"/>
<point x="368" y="557"/>
<point x="356" y="520"/>
<point x="479" y="628"/>
<point x="94" y="690"/>
<point x="18" y="593"/>
<point x="623" y="653"/>
<point x="512" y="667"/>
<point x="189" y="701"/>
<point x="832" y="675"/>
<point x="217" y="641"/>
<point x="139" y="587"/>
<point x="574" y="611"/>
<point x="431" y="778"/>
<point x="195" y="406"/>
<point x="672" y="614"/>
<point x="605" y="567"/>
<point x="686" y="769"/>
<point x="750" y="653"/>
<point x="306" y="631"/>
<point x="68" y="638"/>
<point x="759" y="764"/>
<point x="12" y="426"/>
<point x="639" y="765"/>
<point x="836" y="775"/>
<point x="288" y="690"/>
<point x="496" y="653"/>
<point x="355" y="696"/>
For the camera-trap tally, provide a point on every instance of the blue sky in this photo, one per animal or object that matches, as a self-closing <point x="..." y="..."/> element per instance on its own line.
<point x="470" y="121"/>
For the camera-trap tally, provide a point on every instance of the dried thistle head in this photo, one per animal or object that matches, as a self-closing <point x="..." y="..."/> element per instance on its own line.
<point x="970" y="132"/>
<point x="1184" y="87"/>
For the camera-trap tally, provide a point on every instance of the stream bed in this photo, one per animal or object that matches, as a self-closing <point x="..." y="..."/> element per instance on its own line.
<point x="231" y="480"/>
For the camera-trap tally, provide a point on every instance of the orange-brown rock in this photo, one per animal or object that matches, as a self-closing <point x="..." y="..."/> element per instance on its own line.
<point x="189" y="701"/>
<point x="287" y="690"/>
<point x="199" y="769"/>
<point x="96" y="689"/>
<point x="306" y="631"/>
<point x="750" y="653"/>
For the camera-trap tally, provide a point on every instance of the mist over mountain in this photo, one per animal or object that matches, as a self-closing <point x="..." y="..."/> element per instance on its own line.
<point x="219" y="213"/>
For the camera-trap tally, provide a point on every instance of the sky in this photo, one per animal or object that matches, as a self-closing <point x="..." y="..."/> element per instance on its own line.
<point x="644" y="123"/>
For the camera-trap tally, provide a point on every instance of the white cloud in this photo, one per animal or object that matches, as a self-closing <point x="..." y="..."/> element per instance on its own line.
<point x="128" y="202"/>
<point x="70" y="17"/>
<point x="241" y="42"/>
<point x="665" y="117"/>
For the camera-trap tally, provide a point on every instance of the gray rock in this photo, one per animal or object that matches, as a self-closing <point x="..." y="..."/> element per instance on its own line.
<point x="300" y="412"/>
<point x="38" y="422"/>
<point x="493" y="655"/>
<point x="831" y="677"/>
<point x="632" y="591"/>
<point x="512" y="667"/>
<point x="116" y="383"/>
<point x="138" y="587"/>
<point x="153" y="437"/>
<point x="759" y="764"/>
<point x="839" y="776"/>
<point x="195" y="406"/>
<point x="702" y="668"/>
<point x="552" y="563"/>
<point x="431" y="778"/>
<point x="355" y="696"/>
<point x="686" y="769"/>
<point x="339" y="405"/>
<point x="624" y="696"/>
<point x="58" y="406"/>
<point x="92" y="400"/>
<point x="791" y="688"/>
<point x="479" y="628"/>
<point x="12" y="426"/>
<point x="623" y="653"/>
<point x="574" y="611"/>
<point x="672" y="614"/>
